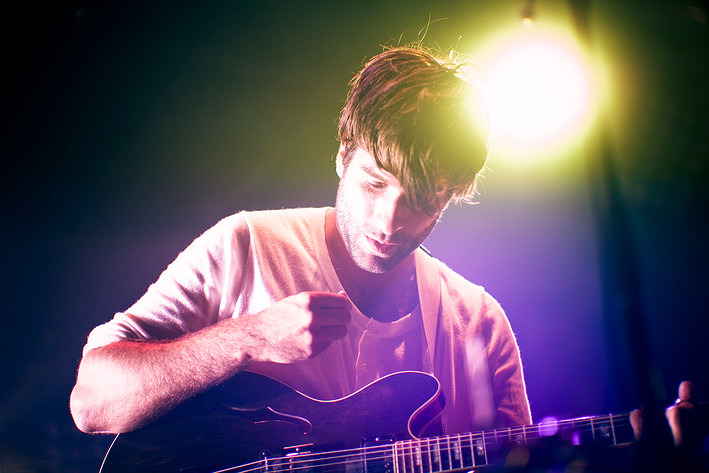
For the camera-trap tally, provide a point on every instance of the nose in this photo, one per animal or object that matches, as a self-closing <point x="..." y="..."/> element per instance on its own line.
<point x="391" y="212"/>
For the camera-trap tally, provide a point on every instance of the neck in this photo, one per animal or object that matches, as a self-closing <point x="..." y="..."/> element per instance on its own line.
<point x="384" y="296"/>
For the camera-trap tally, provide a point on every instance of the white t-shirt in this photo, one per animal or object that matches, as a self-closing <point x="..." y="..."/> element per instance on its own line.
<point x="250" y="260"/>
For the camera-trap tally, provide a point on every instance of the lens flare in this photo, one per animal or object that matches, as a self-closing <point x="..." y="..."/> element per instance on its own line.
<point x="541" y="92"/>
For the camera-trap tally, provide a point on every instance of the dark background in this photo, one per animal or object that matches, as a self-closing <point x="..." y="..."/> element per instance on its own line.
<point x="131" y="127"/>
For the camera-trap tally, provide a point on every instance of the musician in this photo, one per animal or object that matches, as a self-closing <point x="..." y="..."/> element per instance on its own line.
<point x="328" y="300"/>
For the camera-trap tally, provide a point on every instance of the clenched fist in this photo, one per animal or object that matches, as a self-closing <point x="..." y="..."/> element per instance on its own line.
<point x="298" y="327"/>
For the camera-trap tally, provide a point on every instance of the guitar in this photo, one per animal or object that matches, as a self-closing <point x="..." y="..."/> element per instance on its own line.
<point x="254" y="424"/>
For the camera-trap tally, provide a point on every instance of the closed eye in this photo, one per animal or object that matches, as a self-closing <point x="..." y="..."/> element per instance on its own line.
<point x="374" y="187"/>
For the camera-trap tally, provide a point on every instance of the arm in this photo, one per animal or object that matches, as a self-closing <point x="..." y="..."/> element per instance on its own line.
<point x="127" y="384"/>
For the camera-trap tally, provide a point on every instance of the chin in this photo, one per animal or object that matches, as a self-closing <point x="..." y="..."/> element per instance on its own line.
<point x="377" y="265"/>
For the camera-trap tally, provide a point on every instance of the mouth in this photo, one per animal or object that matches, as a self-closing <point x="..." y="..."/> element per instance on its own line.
<point x="383" y="249"/>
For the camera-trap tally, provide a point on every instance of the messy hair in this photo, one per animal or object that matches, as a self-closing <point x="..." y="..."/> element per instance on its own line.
<point x="421" y="121"/>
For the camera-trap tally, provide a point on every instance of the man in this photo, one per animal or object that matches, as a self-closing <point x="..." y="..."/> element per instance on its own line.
<point x="328" y="300"/>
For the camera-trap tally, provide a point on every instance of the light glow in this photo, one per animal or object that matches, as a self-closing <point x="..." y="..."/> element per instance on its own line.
<point x="541" y="92"/>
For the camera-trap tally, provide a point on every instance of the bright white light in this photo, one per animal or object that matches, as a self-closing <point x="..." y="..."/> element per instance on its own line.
<point x="540" y="92"/>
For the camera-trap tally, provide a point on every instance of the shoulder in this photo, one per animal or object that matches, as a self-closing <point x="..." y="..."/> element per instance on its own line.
<point x="275" y="219"/>
<point x="246" y="225"/>
<point x="298" y="226"/>
<point x="464" y="299"/>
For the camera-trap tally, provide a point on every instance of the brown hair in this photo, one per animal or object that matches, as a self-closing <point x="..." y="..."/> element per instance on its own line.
<point x="420" y="121"/>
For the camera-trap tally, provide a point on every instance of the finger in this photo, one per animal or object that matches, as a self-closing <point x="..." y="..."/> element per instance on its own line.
<point x="328" y="333"/>
<point x="331" y="311"/>
<point x="636" y="421"/>
<point x="672" y="414"/>
<point x="330" y="317"/>
<point x="686" y="392"/>
<point x="329" y="300"/>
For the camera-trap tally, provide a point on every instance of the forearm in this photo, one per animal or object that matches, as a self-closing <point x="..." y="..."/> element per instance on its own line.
<point x="127" y="384"/>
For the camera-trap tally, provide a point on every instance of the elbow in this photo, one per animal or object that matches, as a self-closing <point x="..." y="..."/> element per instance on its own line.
<point x="83" y="415"/>
<point x="95" y="402"/>
<point x="89" y="417"/>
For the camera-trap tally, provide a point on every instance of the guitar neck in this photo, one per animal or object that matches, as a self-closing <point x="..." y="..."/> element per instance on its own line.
<point x="474" y="450"/>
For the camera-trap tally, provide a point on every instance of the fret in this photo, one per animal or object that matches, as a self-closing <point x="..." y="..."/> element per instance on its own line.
<point x="446" y="455"/>
<point x="593" y="431"/>
<point x="532" y="433"/>
<point x="409" y="458"/>
<point x="503" y="436"/>
<point x="622" y="429"/>
<point x="479" y="450"/>
<point x="457" y="460"/>
<point x="576" y="431"/>
<point x="417" y="458"/>
<point x="426" y="457"/>
<point x="436" y="465"/>
<point x="604" y="432"/>
<point x="466" y="451"/>
<point x="517" y="438"/>
<point x="524" y="438"/>
<point x="399" y="466"/>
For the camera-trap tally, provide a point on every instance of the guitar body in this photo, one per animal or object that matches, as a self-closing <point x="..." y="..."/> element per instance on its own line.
<point x="253" y="424"/>
<point x="250" y="416"/>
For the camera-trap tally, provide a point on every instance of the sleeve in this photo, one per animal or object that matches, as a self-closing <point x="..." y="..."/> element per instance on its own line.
<point x="197" y="289"/>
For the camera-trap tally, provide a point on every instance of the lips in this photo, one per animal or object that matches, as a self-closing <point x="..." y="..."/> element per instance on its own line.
<point x="384" y="249"/>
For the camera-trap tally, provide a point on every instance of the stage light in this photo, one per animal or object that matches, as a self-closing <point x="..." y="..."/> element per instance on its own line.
<point x="527" y="13"/>
<point x="541" y="92"/>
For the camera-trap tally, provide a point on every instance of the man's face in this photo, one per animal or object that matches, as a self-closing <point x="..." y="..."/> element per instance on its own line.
<point x="377" y="225"/>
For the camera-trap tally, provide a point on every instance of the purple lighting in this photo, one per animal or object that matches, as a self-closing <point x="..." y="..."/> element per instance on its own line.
<point x="548" y="426"/>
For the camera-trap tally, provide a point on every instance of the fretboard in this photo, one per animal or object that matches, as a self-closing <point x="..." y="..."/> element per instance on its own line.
<point x="473" y="450"/>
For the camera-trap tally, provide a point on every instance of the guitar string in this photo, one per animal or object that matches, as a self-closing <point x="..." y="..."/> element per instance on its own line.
<point x="310" y="460"/>
<point x="425" y="447"/>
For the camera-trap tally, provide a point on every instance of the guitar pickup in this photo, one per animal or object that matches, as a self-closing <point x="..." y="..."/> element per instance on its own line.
<point x="288" y="460"/>
<point x="377" y="455"/>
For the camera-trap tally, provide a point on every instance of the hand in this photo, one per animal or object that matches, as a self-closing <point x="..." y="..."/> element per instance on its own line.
<point x="687" y="419"/>
<point x="299" y="327"/>
<point x="687" y="425"/>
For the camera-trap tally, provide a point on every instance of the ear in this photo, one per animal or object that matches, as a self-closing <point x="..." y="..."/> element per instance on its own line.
<point x="339" y="164"/>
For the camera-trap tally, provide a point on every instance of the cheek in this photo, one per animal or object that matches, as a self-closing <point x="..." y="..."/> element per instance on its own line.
<point x="425" y="227"/>
<point x="352" y="203"/>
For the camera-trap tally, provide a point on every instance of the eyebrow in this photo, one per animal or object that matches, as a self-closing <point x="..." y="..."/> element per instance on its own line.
<point x="373" y="171"/>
